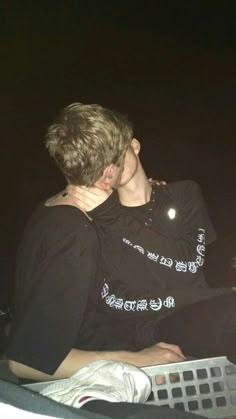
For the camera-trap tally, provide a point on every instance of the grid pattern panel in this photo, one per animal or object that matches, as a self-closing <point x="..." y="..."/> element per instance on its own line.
<point x="206" y="386"/>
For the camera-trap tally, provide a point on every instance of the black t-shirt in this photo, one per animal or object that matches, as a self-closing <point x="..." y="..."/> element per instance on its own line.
<point x="153" y="255"/>
<point x="58" y="287"/>
<point x="56" y="276"/>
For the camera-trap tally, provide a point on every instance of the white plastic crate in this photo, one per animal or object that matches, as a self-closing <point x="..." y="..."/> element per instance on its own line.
<point x="206" y="387"/>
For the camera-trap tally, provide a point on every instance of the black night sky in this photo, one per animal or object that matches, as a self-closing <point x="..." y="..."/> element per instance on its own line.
<point x="170" y="65"/>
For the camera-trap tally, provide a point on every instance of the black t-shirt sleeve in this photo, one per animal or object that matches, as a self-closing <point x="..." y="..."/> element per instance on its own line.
<point x="112" y="224"/>
<point x="195" y="212"/>
<point x="49" y="323"/>
<point x="129" y="248"/>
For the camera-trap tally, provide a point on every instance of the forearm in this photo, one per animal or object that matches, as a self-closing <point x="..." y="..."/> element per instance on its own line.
<point x="77" y="359"/>
<point x="114" y="224"/>
<point x="117" y="229"/>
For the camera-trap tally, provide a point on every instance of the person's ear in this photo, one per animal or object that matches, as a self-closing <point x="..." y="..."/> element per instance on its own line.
<point x="105" y="180"/>
<point x="136" y="146"/>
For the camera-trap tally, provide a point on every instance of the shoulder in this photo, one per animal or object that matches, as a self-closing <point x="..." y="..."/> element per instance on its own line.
<point x="185" y="190"/>
<point x="58" y="215"/>
<point x="184" y="186"/>
<point x="59" y="223"/>
<point x="185" y="195"/>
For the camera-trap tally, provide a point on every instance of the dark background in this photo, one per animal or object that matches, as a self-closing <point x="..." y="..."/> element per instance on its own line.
<point x="170" y="65"/>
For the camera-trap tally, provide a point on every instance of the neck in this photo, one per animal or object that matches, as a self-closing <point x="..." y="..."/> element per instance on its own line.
<point x="137" y="191"/>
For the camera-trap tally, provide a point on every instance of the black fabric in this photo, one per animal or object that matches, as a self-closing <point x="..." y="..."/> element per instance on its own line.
<point x="137" y="411"/>
<point x="205" y="329"/>
<point x="157" y="269"/>
<point x="5" y="319"/>
<point x="59" y="281"/>
<point x="57" y="272"/>
<point x="203" y="320"/>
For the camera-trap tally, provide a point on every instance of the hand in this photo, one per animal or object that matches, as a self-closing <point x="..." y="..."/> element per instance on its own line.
<point x="88" y="198"/>
<point x="157" y="182"/>
<point x="161" y="353"/>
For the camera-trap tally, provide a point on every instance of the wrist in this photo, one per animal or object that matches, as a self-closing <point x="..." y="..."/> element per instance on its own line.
<point x="128" y="357"/>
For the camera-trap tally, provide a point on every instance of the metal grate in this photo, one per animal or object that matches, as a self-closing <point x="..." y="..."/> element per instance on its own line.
<point x="206" y="386"/>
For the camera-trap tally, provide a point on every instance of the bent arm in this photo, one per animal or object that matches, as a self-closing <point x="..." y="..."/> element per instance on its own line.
<point x="131" y="250"/>
<point x="115" y="225"/>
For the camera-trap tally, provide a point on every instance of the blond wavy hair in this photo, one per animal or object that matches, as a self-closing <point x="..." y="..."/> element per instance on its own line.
<point x="86" y="139"/>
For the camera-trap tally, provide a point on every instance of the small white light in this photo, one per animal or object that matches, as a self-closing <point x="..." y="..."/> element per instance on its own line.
<point x="171" y="213"/>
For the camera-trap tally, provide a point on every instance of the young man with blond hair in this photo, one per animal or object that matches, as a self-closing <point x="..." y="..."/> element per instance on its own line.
<point x="57" y="328"/>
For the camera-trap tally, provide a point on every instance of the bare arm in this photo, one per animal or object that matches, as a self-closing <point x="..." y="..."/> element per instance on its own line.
<point x="160" y="353"/>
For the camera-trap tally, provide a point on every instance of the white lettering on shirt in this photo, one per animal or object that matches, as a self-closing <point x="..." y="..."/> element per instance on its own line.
<point x="141" y="305"/>
<point x="191" y="266"/>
